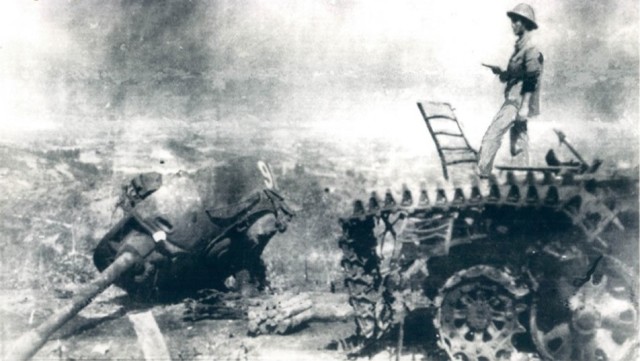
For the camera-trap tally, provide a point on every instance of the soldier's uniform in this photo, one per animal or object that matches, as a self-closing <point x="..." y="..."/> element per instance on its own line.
<point x="522" y="76"/>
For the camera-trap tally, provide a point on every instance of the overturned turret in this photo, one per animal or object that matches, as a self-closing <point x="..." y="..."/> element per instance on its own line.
<point x="180" y="233"/>
<point x="207" y="226"/>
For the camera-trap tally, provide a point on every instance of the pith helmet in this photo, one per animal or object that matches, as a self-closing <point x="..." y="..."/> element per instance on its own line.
<point x="525" y="12"/>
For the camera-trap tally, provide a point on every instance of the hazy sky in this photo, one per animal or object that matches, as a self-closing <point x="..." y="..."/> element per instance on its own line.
<point x="314" y="46"/>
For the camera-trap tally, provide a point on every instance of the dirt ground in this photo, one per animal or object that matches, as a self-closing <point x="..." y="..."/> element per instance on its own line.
<point x="103" y="332"/>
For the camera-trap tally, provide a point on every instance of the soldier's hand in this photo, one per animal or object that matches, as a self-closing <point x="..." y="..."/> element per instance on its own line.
<point x="523" y="113"/>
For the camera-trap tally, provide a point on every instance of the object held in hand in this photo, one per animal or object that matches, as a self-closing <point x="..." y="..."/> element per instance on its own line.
<point x="494" y="68"/>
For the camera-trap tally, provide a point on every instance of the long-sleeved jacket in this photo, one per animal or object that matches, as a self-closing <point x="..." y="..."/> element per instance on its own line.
<point x="524" y="73"/>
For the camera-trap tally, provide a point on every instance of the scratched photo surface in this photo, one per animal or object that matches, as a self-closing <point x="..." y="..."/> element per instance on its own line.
<point x="235" y="138"/>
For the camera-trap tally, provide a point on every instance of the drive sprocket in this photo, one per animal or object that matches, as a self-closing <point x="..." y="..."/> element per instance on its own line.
<point x="601" y="322"/>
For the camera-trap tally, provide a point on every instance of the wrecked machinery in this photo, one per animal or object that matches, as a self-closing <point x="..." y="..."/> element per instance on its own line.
<point x="180" y="233"/>
<point x="525" y="263"/>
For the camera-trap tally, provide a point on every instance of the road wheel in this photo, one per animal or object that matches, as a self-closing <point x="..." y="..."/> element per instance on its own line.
<point x="478" y="314"/>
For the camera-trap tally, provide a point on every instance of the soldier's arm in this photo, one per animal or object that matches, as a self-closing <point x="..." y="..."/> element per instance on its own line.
<point x="533" y="61"/>
<point x="523" y="111"/>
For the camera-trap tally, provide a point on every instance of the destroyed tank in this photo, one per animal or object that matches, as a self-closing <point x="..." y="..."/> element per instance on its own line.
<point x="527" y="262"/>
<point x="179" y="233"/>
<point x="213" y="224"/>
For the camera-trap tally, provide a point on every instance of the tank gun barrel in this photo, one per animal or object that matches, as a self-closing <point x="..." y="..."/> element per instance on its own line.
<point x="28" y="344"/>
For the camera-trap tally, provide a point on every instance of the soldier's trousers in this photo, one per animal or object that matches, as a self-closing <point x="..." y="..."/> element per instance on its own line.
<point x="505" y="121"/>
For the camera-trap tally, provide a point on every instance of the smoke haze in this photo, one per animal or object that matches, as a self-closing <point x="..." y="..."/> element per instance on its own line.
<point x="337" y="63"/>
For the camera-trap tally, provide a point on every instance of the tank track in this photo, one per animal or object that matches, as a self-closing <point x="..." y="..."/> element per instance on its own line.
<point x="362" y="277"/>
<point x="522" y="216"/>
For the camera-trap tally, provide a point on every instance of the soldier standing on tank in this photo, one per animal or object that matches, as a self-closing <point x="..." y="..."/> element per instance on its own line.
<point x="522" y="93"/>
